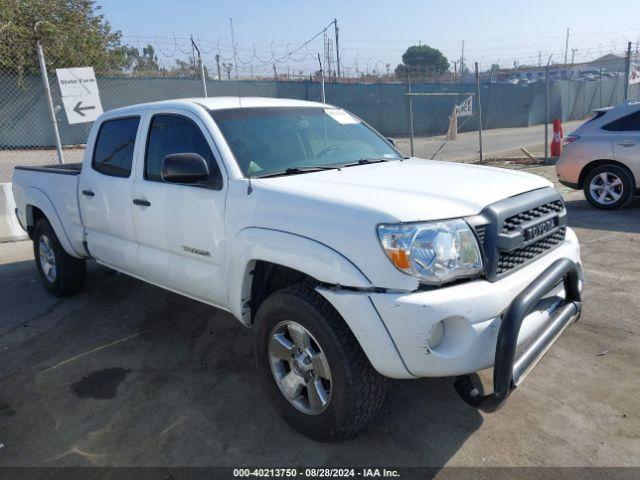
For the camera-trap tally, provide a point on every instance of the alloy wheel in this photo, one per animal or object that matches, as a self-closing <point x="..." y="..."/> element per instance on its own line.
<point x="47" y="259"/>
<point x="300" y="367"/>
<point x="606" y="188"/>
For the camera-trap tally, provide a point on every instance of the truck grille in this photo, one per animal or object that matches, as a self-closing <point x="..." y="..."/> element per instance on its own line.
<point x="512" y="223"/>
<point x="520" y="256"/>
<point x="517" y="230"/>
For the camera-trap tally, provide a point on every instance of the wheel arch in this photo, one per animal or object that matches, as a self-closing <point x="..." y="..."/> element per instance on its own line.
<point x="263" y="259"/>
<point x="38" y="206"/>
<point x="589" y="167"/>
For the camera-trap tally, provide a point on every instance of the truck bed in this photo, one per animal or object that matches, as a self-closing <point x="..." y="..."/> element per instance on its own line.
<point x="54" y="190"/>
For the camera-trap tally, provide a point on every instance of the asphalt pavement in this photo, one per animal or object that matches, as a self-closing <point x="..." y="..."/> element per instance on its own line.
<point x="127" y="374"/>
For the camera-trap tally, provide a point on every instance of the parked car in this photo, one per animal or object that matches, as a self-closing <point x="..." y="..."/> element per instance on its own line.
<point x="351" y="263"/>
<point x="602" y="156"/>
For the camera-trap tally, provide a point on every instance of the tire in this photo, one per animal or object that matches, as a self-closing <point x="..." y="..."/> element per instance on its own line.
<point x="60" y="273"/>
<point x="620" y="183"/>
<point x="355" y="392"/>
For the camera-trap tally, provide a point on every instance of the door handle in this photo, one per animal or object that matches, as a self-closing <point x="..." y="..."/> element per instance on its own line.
<point x="626" y="143"/>
<point x="142" y="203"/>
<point x="88" y="193"/>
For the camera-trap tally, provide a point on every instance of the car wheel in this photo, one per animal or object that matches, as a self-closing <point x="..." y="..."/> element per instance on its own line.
<point x="60" y="273"/>
<point x="609" y="187"/>
<point x="312" y="368"/>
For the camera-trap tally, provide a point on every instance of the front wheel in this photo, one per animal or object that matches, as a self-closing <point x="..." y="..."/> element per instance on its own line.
<point x="60" y="273"/>
<point x="312" y="367"/>
<point x="609" y="187"/>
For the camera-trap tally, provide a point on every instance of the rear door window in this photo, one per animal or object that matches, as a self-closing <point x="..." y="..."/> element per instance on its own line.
<point x="628" y="123"/>
<point x="113" y="153"/>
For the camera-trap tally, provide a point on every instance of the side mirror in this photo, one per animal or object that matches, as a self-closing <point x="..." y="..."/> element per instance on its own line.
<point x="184" y="168"/>
<point x="392" y="142"/>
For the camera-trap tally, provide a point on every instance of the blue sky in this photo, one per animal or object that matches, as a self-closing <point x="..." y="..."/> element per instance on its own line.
<point x="376" y="33"/>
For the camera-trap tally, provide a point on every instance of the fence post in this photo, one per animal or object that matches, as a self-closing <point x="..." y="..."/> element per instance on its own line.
<point x="479" y="112"/>
<point x="627" y="71"/>
<point x="410" y="111"/>
<point x="47" y="90"/>
<point x="546" y="112"/>
<point x="321" y="80"/>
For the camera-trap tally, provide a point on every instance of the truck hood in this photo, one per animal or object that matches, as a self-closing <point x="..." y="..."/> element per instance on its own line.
<point x="413" y="189"/>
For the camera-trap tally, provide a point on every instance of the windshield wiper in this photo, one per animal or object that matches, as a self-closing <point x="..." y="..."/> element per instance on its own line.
<point x="366" y="161"/>
<point x="298" y="170"/>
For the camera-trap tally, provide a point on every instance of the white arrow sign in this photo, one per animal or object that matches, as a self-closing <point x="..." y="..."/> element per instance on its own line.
<point x="465" y="109"/>
<point x="80" y="95"/>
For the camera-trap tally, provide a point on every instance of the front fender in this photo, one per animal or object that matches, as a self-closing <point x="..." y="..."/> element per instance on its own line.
<point x="287" y="249"/>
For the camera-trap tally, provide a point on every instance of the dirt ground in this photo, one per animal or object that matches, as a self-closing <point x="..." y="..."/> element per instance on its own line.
<point x="127" y="374"/>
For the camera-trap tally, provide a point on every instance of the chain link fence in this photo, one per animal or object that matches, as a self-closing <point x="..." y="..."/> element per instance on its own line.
<point x="508" y="110"/>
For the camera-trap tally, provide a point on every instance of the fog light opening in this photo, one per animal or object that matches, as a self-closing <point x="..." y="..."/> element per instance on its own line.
<point x="435" y="335"/>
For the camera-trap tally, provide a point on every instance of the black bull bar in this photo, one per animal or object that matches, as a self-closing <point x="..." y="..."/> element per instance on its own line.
<point x="508" y="372"/>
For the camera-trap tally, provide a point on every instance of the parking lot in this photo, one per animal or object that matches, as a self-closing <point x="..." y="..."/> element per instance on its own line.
<point x="127" y="374"/>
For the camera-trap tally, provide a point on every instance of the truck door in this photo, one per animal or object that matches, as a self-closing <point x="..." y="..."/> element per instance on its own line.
<point x="105" y="194"/>
<point x="180" y="228"/>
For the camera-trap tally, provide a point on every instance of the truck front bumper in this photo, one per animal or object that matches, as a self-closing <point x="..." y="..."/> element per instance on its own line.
<point x="396" y="329"/>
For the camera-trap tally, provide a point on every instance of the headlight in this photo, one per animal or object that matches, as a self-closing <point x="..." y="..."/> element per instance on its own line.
<point x="435" y="252"/>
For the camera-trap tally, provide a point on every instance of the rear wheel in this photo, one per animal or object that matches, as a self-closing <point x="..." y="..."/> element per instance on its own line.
<point x="60" y="273"/>
<point x="312" y="367"/>
<point x="609" y="187"/>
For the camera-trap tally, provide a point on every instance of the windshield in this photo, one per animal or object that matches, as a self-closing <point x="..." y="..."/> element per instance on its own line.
<point x="269" y="140"/>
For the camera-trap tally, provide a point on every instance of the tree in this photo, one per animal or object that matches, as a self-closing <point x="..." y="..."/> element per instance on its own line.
<point x="147" y="63"/>
<point x="422" y="60"/>
<point x="72" y="34"/>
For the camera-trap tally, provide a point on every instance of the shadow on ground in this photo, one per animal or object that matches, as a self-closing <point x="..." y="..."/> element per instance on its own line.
<point x="583" y="215"/>
<point x="128" y="374"/>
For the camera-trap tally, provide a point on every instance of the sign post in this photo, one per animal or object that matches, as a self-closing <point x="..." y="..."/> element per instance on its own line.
<point x="80" y="95"/>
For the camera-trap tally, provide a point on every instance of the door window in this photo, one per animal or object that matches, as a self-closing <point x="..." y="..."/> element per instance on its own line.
<point x="113" y="153"/>
<point x="170" y="134"/>
<point x="628" y="123"/>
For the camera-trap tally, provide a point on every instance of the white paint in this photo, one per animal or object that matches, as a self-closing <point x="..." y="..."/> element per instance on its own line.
<point x="341" y="116"/>
<point x="322" y="223"/>
<point x="634" y="76"/>
<point x="10" y="229"/>
<point x="465" y="109"/>
<point x="80" y="96"/>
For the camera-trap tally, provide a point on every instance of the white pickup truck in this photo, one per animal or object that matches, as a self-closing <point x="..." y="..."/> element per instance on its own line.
<point x="351" y="262"/>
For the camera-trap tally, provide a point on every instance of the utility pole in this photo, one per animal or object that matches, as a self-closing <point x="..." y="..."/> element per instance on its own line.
<point x="233" y="44"/>
<point x="47" y="90"/>
<point x="462" y="64"/>
<point x="479" y="112"/>
<point x="540" y="58"/>
<point x="627" y="72"/>
<point x="275" y="74"/>
<point x="218" y="65"/>
<point x="455" y="70"/>
<point x="200" y="64"/>
<point x="573" y="54"/>
<point x="566" y="47"/>
<point x="335" y="25"/>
